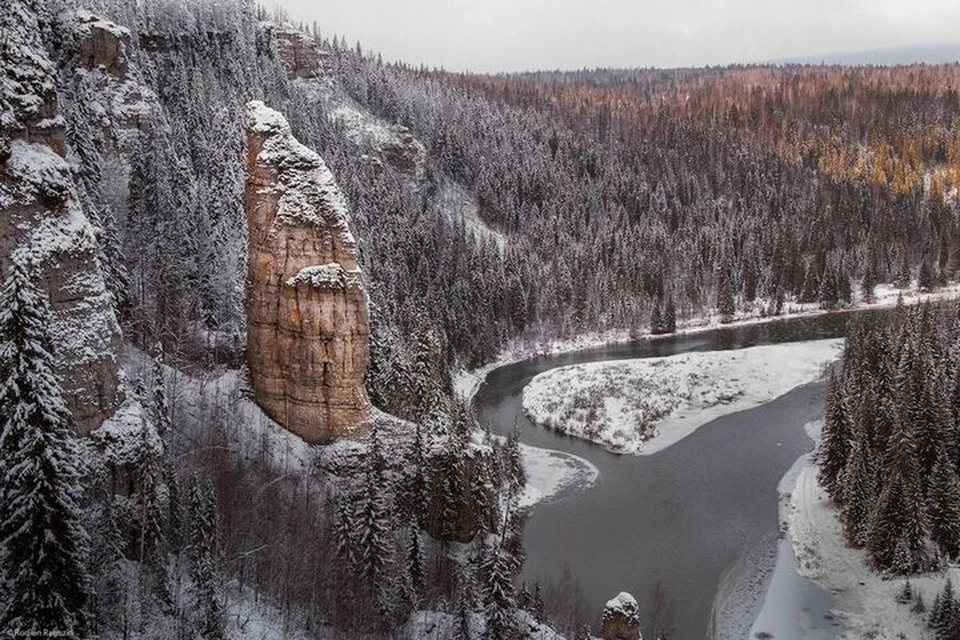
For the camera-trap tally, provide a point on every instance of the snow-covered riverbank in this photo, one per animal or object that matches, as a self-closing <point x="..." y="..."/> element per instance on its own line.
<point x="864" y="601"/>
<point x="467" y="382"/>
<point x="643" y="406"/>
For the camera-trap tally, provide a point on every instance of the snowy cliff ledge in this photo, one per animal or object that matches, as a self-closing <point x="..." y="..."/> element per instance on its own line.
<point x="43" y="224"/>
<point x="644" y="406"/>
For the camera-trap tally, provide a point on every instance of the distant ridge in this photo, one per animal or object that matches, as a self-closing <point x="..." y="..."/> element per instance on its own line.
<point x="943" y="53"/>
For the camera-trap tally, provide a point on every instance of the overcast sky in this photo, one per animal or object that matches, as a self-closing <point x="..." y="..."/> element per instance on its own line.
<point x="513" y="35"/>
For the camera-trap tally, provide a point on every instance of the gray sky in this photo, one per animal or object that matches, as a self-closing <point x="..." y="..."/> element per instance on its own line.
<point x="512" y="35"/>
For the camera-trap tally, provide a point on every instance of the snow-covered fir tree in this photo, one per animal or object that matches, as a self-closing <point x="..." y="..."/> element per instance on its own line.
<point x="46" y="584"/>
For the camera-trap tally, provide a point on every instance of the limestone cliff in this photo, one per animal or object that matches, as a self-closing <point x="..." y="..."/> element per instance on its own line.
<point x="308" y="330"/>
<point x="42" y="222"/>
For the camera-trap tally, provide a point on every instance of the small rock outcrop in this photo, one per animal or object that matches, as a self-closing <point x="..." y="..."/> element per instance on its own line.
<point x="102" y="44"/>
<point x="42" y="223"/>
<point x="621" y="619"/>
<point x="308" y="335"/>
<point x="299" y="53"/>
<point x="109" y="80"/>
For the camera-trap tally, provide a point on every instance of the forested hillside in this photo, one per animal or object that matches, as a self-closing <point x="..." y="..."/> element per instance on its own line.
<point x="487" y="209"/>
<point x="600" y="195"/>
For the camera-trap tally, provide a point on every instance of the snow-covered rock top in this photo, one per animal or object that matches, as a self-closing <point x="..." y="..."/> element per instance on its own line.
<point x="304" y="179"/>
<point x="623" y="604"/>
<point x="123" y="438"/>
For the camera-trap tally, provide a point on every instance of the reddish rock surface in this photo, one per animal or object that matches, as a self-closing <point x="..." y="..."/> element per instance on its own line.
<point x="299" y="53"/>
<point x="308" y="332"/>
<point x="103" y="45"/>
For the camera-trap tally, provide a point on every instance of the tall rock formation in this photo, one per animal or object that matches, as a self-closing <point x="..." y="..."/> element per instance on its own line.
<point x="42" y="223"/>
<point x="308" y="333"/>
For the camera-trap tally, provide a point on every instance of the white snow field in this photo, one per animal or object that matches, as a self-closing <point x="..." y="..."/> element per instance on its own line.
<point x="645" y="405"/>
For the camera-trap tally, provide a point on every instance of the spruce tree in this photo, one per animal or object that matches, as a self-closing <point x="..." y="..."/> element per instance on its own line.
<point x="498" y="591"/>
<point x="670" y="316"/>
<point x="41" y="523"/>
<point x="203" y="559"/>
<point x="835" y="440"/>
<point x="656" y="318"/>
<point x="858" y="490"/>
<point x="943" y="504"/>
<point x="898" y="537"/>
<point x="374" y="536"/>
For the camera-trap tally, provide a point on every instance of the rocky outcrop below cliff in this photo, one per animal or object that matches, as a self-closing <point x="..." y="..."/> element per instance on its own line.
<point x="42" y="223"/>
<point x="308" y="330"/>
<point x="105" y="77"/>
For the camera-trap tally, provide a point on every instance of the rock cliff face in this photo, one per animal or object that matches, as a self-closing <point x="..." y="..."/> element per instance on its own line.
<point x="107" y="74"/>
<point x="103" y="45"/>
<point x="41" y="222"/>
<point x="308" y="331"/>
<point x="298" y="52"/>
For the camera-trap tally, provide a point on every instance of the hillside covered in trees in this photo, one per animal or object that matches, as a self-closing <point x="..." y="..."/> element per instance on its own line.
<point x="489" y="209"/>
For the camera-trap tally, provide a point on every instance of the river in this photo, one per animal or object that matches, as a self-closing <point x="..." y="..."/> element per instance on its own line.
<point x="679" y="518"/>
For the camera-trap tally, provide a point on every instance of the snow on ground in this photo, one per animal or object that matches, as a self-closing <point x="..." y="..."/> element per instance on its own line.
<point x="459" y="205"/>
<point x="864" y="601"/>
<point x="436" y="625"/>
<point x="467" y="382"/>
<point x="644" y="405"/>
<point x="552" y="472"/>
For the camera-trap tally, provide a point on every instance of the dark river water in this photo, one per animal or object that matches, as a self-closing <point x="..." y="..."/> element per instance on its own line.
<point x="680" y="517"/>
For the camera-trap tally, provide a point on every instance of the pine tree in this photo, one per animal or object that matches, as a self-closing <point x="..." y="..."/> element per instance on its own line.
<point x="835" y="441"/>
<point x="898" y="537"/>
<point x="656" y="318"/>
<point x="415" y="562"/>
<point x="926" y="280"/>
<point x="465" y="602"/>
<point x="498" y="590"/>
<point x="516" y="473"/>
<point x="943" y="503"/>
<point x="725" y="302"/>
<point x="670" y="317"/>
<point x="154" y="511"/>
<point x="41" y="524"/>
<point x="202" y="552"/>
<point x="868" y="285"/>
<point x="374" y="535"/>
<point x="858" y="489"/>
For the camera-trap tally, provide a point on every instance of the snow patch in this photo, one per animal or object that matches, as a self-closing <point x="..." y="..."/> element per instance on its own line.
<point x="460" y="206"/>
<point x="550" y="473"/>
<point x="643" y="406"/>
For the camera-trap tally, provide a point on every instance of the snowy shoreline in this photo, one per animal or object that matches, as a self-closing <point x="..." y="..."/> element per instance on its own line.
<point x="642" y="406"/>
<point x="550" y="473"/>
<point x="467" y="382"/>
<point x="863" y="601"/>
